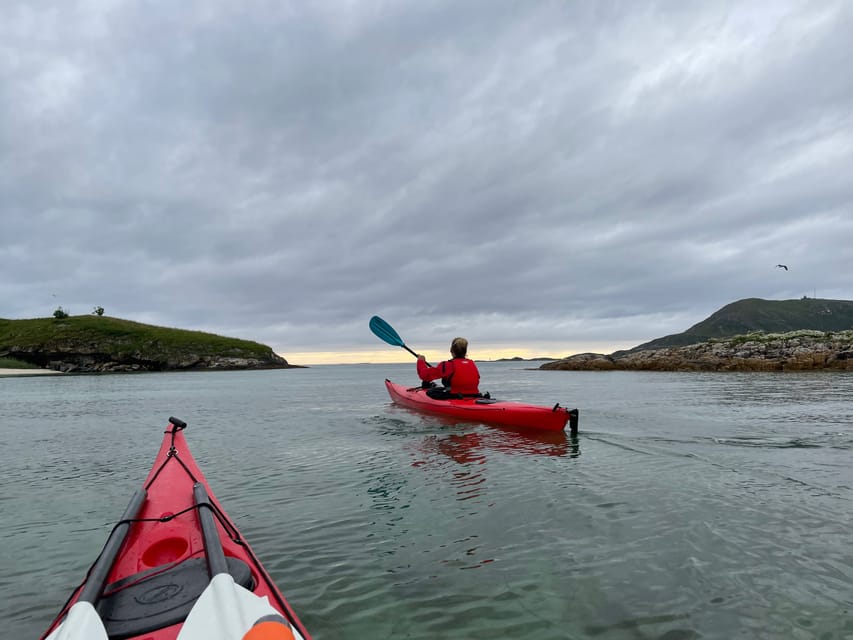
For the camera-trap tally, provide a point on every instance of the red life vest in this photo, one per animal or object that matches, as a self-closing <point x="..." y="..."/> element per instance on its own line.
<point x="460" y="375"/>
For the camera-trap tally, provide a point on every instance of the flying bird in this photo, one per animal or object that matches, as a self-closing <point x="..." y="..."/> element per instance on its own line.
<point x="782" y="266"/>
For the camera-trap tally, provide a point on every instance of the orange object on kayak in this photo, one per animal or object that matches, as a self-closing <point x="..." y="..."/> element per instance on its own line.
<point x="270" y="630"/>
<point x="174" y="563"/>
<point x="486" y="410"/>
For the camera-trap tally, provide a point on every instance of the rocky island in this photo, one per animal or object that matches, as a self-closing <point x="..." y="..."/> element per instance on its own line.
<point x="802" y="350"/>
<point x="102" y="344"/>
<point x="748" y="335"/>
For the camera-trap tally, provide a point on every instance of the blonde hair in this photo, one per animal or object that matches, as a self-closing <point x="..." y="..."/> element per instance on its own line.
<point x="459" y="347"/>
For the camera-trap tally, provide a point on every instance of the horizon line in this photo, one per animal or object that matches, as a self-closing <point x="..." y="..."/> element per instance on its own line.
<point x="486" y="354"/>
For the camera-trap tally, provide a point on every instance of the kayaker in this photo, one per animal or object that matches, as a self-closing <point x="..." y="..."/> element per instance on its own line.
<point x="459" y="375"/>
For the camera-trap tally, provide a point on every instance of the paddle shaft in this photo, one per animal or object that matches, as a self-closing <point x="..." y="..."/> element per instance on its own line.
<point x="91" y="591"/>
<point x="410" y="351"/>
<point x="415" y="354"/>
<point x="216" y="562"/>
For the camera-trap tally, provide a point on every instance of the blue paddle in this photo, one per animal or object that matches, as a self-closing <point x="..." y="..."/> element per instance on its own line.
<point x="386" y="333"/>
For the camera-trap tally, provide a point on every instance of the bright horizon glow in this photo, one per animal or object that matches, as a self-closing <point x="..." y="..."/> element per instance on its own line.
<point x="398" y="355"/>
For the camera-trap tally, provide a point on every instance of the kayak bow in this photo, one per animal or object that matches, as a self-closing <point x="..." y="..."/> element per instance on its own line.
<point x="175" y="567"/>
<point x="486" y="410"/>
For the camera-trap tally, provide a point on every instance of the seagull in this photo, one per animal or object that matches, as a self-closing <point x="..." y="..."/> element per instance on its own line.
<point x="782" y="266"/>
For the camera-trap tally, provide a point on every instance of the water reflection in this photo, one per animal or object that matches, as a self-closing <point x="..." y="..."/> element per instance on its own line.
<point x="475" y="446"/>
<point x="547" y="443"/>
<point x="471" y="450"/>
<point x="466" y="476"/>
<point x="506" y="440"/>
<point x="747" y="389"/>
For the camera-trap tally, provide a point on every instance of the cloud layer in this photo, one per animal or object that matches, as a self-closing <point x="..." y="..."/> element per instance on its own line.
<point x="551" y="173"/>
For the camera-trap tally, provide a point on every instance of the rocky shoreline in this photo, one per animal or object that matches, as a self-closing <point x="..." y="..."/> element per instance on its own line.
<point x="106" y="363"/>
<point x="793" y="351"/>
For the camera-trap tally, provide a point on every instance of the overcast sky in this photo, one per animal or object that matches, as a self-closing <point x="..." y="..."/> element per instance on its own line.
<point x="540" y="177"/>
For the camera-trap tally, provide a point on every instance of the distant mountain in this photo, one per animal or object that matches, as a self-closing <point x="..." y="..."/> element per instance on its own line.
<point x="755" y="314"/>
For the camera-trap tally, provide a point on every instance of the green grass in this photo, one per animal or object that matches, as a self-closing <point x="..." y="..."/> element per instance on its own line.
<point x="103" y="334"/>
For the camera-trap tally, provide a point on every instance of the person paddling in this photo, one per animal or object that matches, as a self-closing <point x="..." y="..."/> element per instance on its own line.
<point x="459" y="375"/>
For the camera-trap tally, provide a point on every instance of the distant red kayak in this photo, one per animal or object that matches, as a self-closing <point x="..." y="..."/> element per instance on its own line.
<point x="176" y="564"/>
<point x="486" y="410"/>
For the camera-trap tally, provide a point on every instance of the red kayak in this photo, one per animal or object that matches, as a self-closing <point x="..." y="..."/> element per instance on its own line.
<point x="175" y="566"/>
<point x="486" y="410"/>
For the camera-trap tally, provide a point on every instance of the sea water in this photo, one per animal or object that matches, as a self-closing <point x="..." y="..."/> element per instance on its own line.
<point x="690" y="505"/>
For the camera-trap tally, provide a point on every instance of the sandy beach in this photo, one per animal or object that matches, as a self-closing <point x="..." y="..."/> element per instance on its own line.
<point x="28" y="372"/>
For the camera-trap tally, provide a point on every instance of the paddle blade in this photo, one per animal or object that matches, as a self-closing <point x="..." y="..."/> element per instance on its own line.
<point x="226" y="611"/>
<point x="82" y="623"/>
<point x="385" y="332"/>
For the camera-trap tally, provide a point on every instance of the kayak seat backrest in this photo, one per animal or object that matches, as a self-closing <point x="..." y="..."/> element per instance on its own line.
<point x="439" y="393"/>
<point x="443" y="393"/>
<point x="160" y="597"/>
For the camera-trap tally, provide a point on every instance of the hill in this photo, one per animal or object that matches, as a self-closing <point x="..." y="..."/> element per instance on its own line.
<point x="747" y="335"/>
<point x="803" y="350"/>
<point x="753" y="315"/>
<point x="90" y="343"/>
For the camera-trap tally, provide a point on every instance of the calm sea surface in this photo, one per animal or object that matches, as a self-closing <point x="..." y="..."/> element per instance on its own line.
<point x="689" y="506"/>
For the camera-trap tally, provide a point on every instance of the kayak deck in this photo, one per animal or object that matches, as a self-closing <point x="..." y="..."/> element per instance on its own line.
<point x="486" y="410"/>
<point x="163" y="555"/>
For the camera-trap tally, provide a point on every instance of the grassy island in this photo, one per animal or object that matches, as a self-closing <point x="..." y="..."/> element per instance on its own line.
<point x="92" y="343"/>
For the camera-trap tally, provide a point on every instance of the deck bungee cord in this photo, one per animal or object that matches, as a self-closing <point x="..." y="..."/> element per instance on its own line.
<point x="164" y="574"/>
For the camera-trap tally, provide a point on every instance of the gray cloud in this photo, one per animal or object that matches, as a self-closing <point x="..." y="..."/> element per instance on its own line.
<point x="517" y="172"/>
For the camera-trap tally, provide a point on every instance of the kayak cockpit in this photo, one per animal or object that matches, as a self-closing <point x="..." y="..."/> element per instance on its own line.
<point x="160" y="597"/>
<point x="174" y="567"/>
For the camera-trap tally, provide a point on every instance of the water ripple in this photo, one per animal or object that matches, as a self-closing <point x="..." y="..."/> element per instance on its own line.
<point x="689" y="506"/>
